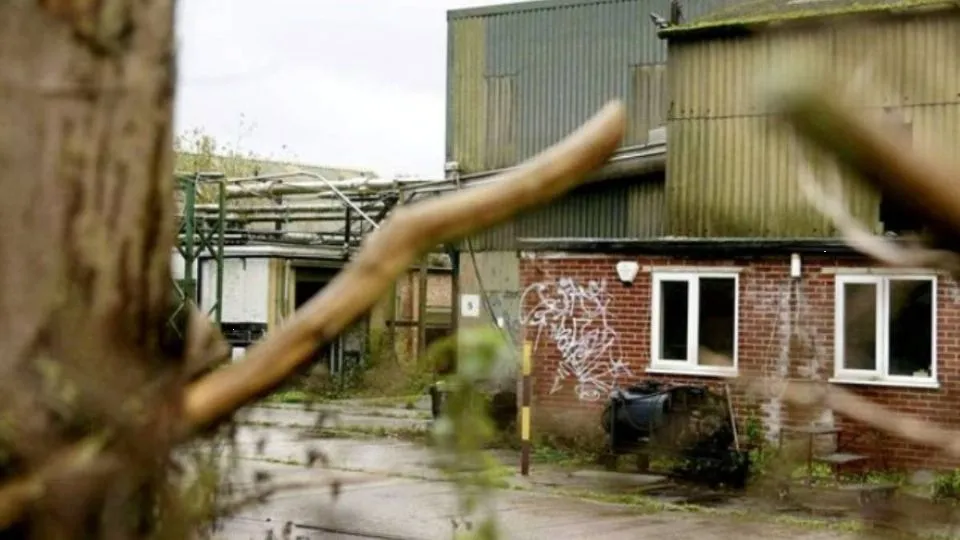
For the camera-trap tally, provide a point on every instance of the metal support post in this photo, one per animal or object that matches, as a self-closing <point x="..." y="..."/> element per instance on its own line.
<point x="422" y="284"/>
<point x="454" y="289"/>
<point x="198" y="235"/>
<point x="527" y="398"/>
<point x="221" y="229"/>
<point x="189" y="230"/>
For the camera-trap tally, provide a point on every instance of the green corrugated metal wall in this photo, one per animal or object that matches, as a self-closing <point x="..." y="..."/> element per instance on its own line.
<point x="520" y="77"/>
<point x="732" y="169"/>
<point x="628" y="208"/>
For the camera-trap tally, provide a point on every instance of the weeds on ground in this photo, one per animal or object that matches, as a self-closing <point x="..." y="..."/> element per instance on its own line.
<point x="381" y="373"/>
<point x="946" y="487"/>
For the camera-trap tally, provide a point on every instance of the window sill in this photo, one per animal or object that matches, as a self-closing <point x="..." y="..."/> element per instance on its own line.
<point x="928" y="384"/>
<point x="705" y="371"/>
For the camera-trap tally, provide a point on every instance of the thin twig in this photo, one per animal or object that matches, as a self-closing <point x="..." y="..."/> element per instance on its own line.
<point x="387" y="253"/>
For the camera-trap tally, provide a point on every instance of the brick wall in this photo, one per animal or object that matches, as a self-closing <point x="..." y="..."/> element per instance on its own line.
<point x="766" y="341"/>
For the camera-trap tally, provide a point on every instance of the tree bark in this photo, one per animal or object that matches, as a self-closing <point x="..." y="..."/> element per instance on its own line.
<point x="86" y="233"/>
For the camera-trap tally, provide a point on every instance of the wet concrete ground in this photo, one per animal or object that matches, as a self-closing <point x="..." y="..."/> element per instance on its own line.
<point x="390" y="490"/>
<point x="339" y="416"/>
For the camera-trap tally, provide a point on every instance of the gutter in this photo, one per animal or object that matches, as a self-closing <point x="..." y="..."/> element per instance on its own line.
<point x="515" y="8"/>
<point x="746" y="25"/>
<point x="700" y="247"/>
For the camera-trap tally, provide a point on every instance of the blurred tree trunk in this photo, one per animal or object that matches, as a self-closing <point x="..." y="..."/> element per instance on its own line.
<point x="86" y="232"/>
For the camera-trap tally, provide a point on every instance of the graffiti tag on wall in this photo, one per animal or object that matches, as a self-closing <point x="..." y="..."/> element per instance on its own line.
<point x="575" y="318"/>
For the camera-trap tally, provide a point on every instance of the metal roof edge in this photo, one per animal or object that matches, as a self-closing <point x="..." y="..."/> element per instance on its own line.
<point x="691" y="246"/>
<point x="649" y="152"/>
<point x="520" y="7"/>
<point x="631" y="161"/>
<point x="738" y="26"/>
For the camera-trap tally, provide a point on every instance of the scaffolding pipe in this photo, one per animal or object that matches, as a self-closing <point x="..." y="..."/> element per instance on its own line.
<point x="361" y="183"/>
<point x="284" y="217"/>
<point x="271" y="189"/>
<point x="334" y="241"/>
<point x="274" y="215"/>
<point x="372" y="204"/>
<point x="274" y="191"/>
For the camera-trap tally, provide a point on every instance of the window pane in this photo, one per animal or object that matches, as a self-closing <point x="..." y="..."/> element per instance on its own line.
<point x="911" y="327"/>
<point x="673" y="320"/>
<point x="860" y="326"/>
<point x="717" y="319"/>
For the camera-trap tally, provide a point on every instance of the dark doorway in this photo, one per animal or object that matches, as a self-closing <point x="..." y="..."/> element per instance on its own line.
<point x="308" y="282"/>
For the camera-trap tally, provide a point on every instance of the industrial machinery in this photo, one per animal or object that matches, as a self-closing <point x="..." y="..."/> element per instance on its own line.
<point x="688" y="424"/>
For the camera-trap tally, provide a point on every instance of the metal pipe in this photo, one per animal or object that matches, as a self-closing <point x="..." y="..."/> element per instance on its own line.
<point x="274" y="191"/>
<point x="372" y="204"/>
<point x="653" y="151"/>
<point x="306" y="190"/>
<point x="285" y="218"/>
<point x="358" y="182"/>
<point x="262" y="186"/>
<point x="221" y="235"/>
<point x="276" y="215"/>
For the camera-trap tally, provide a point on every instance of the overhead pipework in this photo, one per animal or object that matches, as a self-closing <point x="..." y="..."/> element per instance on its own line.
<point x="304" y="207"/>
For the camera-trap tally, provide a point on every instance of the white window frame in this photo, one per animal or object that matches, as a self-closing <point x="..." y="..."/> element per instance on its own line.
<point x="690" y="366"/>
<point x="880" y="376"/>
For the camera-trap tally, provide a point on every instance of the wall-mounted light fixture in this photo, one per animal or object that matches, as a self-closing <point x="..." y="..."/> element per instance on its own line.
<point x="627" y="271"/>
<point x="795" y="268"/>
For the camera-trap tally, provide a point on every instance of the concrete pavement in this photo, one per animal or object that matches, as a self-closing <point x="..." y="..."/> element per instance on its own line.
<point x="374" y="506"/>
<point x="391" y="490"/>
<point x="337" y="415"/>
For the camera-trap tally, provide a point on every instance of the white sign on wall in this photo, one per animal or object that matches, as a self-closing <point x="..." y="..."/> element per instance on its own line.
<point x="469" y="305"/>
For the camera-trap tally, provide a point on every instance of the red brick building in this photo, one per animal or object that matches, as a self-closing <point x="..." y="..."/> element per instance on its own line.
<point x="709" y="311"/>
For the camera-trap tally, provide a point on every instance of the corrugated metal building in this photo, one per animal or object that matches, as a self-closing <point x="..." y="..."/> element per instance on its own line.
<point x="731" y="164"/>
<point x="521" y="76"/>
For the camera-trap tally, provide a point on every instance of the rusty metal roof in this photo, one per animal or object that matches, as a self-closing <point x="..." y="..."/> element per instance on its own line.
<point x="759" y="12"/>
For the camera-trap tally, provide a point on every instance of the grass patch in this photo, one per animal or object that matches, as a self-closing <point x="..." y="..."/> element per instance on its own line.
<point x="651" y="505"/>
<point x="294" y="397"/>
<point x="408" y="402"/>
<point x="362" y="432"/>
<point x="549" y="455"/>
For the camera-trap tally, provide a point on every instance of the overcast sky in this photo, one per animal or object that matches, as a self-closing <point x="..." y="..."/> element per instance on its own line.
<point x="351" y="83"/>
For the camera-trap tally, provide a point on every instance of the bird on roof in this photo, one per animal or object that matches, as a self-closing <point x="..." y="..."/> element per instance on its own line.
<point x="659" y="21"/>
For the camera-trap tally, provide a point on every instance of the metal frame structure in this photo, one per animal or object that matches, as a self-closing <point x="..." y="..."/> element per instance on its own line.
<point x="305" y="197"/>
<point x="197" y="234"/>
<point x="217" y="211"/>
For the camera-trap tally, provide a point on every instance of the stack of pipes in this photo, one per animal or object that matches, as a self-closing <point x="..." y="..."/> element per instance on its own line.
<point x="302" y="196"/>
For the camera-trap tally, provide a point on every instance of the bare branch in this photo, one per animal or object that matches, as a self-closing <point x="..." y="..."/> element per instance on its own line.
<point x="407" y="233"/>
<point x="863" y="240"/>
<point x="925" y="187"/>
<point x="811" y="393"/>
